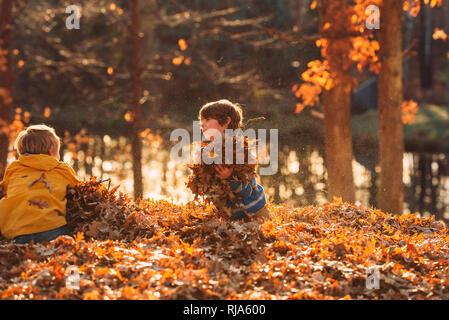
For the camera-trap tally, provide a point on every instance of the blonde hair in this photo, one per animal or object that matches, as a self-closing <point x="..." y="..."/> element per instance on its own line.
<point x="220" y="110"/>
<point x="37" y="139"/>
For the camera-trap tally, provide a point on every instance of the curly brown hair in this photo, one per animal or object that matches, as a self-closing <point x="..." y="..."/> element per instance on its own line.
<point x="221" y="110"/>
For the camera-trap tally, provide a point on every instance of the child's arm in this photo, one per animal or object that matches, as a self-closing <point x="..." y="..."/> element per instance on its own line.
<point x="74" y="179"/>
<point x="69" y="174"/>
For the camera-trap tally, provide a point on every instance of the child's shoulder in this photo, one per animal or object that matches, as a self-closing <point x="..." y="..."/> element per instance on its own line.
<point x="13" y="166"/>
<point x="63" y="166"/>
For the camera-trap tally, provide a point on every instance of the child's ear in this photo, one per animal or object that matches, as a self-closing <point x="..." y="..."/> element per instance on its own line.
<point x="54" y="154"/>
<point x="228" y="121"/>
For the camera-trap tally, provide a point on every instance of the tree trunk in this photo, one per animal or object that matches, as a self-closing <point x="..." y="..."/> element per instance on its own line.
<point x="6" y="81"/>
<point x="337" y="103"/>
<point x="423" y="181"/>
<point x="434" y="182"/>
<point x="425" y="46"/>
<point x="338" y="143"/>
<point x="390" y="97"/>
<point x="136" y="143"/>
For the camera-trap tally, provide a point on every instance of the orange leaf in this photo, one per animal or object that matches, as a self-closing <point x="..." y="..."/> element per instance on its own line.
<point x="182" y="44"/>
<point x="92" y="295"/>
<point x="128" y="116"/>
<point x="409" y="110"/>
<point x="113" y="190"/>
<point x="439" y="34"/>
<point x="47" y="112"/>
<point x="178" y="60"/>
<point x="79" y="237"/>
<point x="299" y="107"/>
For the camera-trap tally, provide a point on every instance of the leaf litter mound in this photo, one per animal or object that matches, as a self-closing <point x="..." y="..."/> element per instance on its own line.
<point x="205" y="183"/>
<point x="126" y="249"/>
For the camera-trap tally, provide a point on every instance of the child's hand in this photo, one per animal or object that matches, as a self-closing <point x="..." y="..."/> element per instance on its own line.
<point x="223" y="173"/>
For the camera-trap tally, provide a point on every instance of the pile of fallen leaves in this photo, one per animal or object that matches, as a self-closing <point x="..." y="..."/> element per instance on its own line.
<point x="123" y="249"/>
<point x="95" y="211"/>
<point x="205" y="183"/>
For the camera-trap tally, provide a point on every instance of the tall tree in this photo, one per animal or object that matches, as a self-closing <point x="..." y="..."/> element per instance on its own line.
<point x="136" y="71"/>
<point x="425" y="48"/>
<point x="390" y="97"/>
<point x="6" y="81"/>
<point x="337" y="100"/>
<point x="365" y="53"/>
<point x="344" y="44"/>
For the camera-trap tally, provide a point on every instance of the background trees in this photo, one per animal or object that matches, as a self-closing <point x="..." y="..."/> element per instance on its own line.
<point x="192" y="52"/>
<point x="331" y="75"/>
<point x="335" y="26"/>
<point x="135" y="70"/>
<point x="5" y="79"/>
<point x="391" y="141"/>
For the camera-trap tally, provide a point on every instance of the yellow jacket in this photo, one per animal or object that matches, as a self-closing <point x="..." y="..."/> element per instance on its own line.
<point x="35" y="189"/>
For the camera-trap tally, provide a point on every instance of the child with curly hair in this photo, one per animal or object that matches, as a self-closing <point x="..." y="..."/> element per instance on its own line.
<point x="250" y="201"/>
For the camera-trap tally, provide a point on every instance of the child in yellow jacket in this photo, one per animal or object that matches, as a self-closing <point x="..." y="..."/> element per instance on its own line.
<point x="34" y="188"/>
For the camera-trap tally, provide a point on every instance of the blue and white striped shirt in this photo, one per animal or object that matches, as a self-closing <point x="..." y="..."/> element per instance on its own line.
<point x="252" y="198"/>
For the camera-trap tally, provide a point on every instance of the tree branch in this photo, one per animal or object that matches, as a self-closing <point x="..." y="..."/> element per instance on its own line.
<point x="409" y="50"/>
<point x="307" y="38"/>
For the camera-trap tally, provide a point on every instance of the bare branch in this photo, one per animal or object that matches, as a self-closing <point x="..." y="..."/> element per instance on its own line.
<point x="242" y="23"/>
<point x="409" y="50"/>
<point x="307" y="38"/>
<point x="191" y="16"/>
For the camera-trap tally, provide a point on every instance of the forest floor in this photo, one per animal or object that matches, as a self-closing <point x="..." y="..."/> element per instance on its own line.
<point x="123" y="249"/>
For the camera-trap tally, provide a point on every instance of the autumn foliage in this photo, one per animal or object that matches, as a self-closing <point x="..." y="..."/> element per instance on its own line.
<point x="207" y="185"/>
<point x="125" y="249"/>
<point x="362" y="52"/>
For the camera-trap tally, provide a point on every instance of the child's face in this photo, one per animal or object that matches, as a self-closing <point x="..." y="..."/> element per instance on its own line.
<point x="211" y="126"/>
